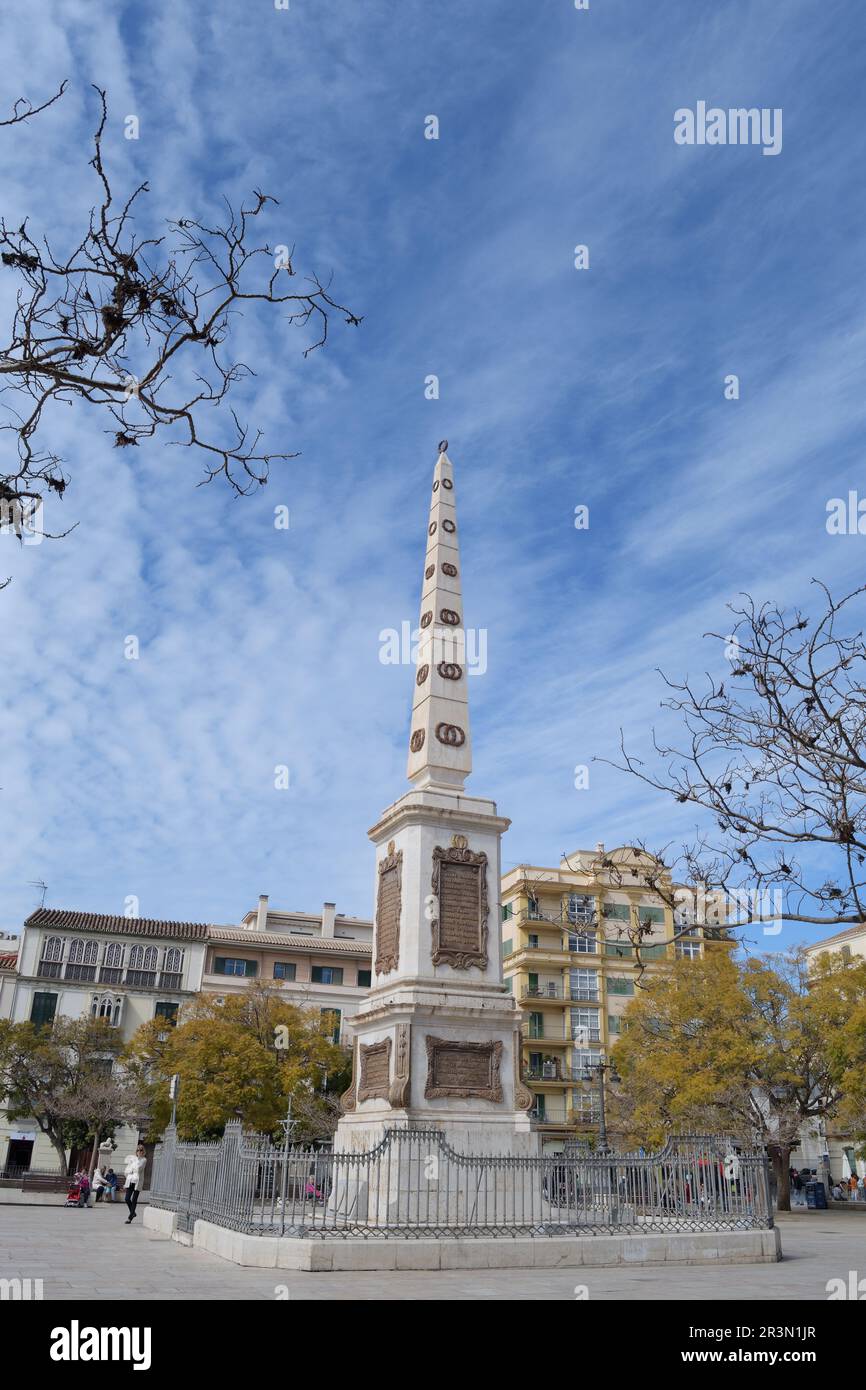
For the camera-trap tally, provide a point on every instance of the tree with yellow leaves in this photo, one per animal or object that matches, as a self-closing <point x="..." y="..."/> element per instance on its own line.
<point x="755" y="1048"/>
<point x="245" y="1058"/>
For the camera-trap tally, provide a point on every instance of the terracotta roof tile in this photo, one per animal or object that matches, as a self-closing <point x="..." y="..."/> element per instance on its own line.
<point x="64" y="919"/>
<point x="7" y="961"/>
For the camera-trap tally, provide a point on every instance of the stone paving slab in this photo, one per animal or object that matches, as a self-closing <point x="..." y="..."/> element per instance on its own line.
<point x="64" y="1248"/>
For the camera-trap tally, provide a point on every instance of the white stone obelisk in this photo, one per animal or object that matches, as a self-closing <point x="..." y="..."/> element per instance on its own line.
<point x="437" y="1041"/>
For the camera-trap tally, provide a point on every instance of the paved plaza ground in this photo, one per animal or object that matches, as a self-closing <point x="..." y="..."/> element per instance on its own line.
<point x="64" y="1247"/>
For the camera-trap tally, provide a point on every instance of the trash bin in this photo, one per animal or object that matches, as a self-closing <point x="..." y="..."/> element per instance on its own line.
<point x="816" y="1196"/>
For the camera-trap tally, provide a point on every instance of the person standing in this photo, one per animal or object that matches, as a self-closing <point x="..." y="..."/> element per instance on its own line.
<point x="134" y="1175"/>
<point x="84" y="1189"/>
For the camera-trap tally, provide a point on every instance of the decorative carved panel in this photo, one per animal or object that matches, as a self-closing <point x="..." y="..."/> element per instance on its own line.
<point x="423" y="673"/>
<point x="374" y="1082"/>
<point x="399" y="1093"/>
<point x="416" y="742"/>
<point x="347" y="1099"/>
<point x="447" y="526"/>
<point x="388" y="904"/>
<point x="449" y="569"/>
<point x="465" y="1069"/>
<point x="460" y="889"/>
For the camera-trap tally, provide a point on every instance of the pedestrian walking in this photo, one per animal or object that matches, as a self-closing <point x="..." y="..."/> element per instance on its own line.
<point x="134" y="1176"/>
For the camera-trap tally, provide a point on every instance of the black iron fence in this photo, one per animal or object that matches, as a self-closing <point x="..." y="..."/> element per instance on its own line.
<point x="414" y="1184"/>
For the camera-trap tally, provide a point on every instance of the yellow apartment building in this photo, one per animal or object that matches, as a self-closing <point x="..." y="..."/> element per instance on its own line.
<point x="575" y="940"/>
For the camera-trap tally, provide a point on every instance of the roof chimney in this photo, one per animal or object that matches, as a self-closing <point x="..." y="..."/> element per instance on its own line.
<point x="329" y="912"/>
<point x="262" y="913"/>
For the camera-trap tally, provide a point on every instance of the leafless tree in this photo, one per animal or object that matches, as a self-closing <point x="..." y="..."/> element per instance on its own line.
<point x="775" y="755"/>
<point x="110" y="321"/>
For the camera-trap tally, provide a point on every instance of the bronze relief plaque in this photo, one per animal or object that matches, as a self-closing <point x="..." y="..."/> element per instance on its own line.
<point x="375" y="1079"/>
<point x="388" y="905"/>
<point x="465" y="1069"/>
<point x="460" y="889"/>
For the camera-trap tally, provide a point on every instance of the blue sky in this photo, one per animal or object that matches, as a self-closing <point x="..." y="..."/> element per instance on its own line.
<point x="557" y="388"/>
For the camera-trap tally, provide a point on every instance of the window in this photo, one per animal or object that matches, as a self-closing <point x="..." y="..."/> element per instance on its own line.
<point x="81" y="964"/>
<point x="42" y="1010"/>
<point x="507" y="947"/>
<point x="173" y="961"/>
<point x="533" y="941"/>
<point x="331" y="1018"/>
<point x="50" y="965"/>
<point x="585" y="944"/>
<point x="364" y="978"/>
<point x="651" y="914"/>
<point x="585" y="1026"/>
<point x="584" y="1058"/>
<point x="106" y="1006"/>
<point x="580" y="908"/>
<point x="327" y="975"/>
<point x="285" y="970"/>
<point x="228" y="965"/>
<point x="538" y="1109"/>
<point x="653" y="952"/>
<point x="113" y="955"/>
<point x="583" y="983"/>
<point x="618" y="984"/>
<point x="614" y="1023"/>
<point x="168" y="1012"/>
<point x="688" y="950"/>
<point x="507" y="911"/>
<point x="616" y="912"/>
<point x="534" y="910"/>
<point x="618" y="948"/>
<point x="585" y="1106"/>
<point x="536" y="1025"/>
<point x="101" y="1066"/>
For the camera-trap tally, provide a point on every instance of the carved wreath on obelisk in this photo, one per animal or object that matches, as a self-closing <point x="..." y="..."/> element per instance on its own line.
<point x="460" y="894"/>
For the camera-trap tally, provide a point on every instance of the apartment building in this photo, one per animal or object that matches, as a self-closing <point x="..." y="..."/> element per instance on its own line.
<point x="70" y="964"/>
<point x="571" y="962"/>
<point x="129" y="970"/>
<point x="825" y="1146"/>
<point x="321" y="961"/>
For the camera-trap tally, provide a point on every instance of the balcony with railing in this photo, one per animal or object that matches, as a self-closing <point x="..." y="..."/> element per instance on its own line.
<point x="544" y="991"/>
<point x="79" y="972"/>
<point x="110" y="975"/>
<point x="547" y="1071"/>
<point x="50" y="969"/>
<point x="170" y="980"/>
<point x="143" y="979"/>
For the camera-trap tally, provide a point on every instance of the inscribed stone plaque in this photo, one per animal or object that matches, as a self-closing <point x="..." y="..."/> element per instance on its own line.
<point x="375" y="1078"/>
<point x="460" y="890"/>
<point x="466" y="1069"/>
<point x="388" y="913"/>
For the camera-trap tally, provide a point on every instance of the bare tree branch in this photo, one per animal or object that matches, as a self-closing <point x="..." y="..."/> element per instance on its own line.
<point x="106" y="321"/>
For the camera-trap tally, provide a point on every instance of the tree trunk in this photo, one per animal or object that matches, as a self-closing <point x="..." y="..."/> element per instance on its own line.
<point x="781" y="1155"/>
<point x="60" y="1150"/>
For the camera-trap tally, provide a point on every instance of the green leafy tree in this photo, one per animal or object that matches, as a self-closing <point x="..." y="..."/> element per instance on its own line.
<point x="56" y="1075"/>
<point x="245" y="1058"/>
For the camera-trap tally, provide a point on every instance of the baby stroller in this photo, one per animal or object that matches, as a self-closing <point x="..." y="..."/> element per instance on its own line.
<point x="73" y="1196"/>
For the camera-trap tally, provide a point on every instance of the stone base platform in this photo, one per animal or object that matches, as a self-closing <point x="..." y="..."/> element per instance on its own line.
<point x="504" y="1252"/>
